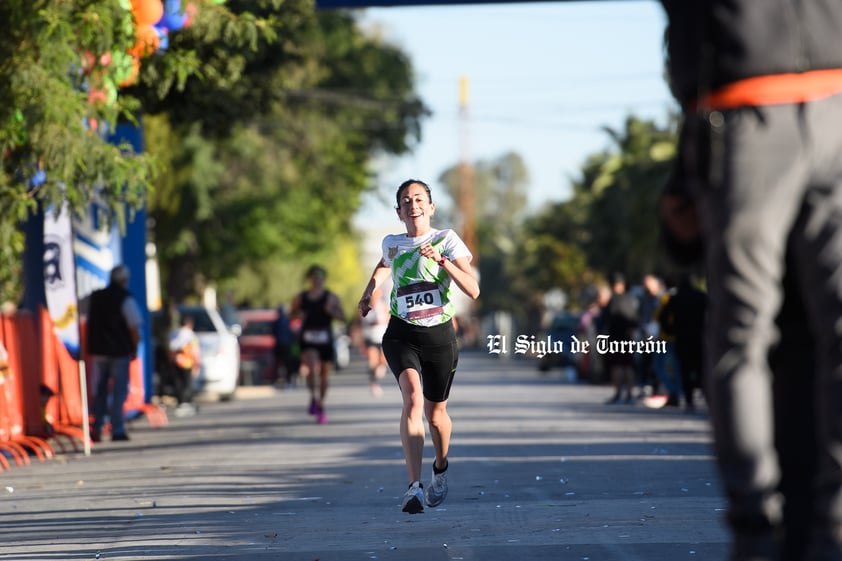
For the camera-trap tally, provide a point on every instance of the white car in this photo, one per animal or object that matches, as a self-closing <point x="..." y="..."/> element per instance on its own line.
<point x="220" y="352"/>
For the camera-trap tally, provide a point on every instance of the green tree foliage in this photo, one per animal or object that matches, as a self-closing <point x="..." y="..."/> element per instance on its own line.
<point x="500" y="190"/>
<point x="623" y="187"/>
<point x="53" y="55"/>
<point x="262" y="175"/>
<point x="609" y="224"/>
<point x="11" y="248"/>
<point x="499" y="197"/>
<point x="45" y="112"/>
<point x="62" y="65"/>
<point x="259" y="122"/>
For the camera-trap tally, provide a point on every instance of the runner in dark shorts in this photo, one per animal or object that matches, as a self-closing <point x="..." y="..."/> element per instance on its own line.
<point x="420" y="340"/>
<point x="317" y="308"/>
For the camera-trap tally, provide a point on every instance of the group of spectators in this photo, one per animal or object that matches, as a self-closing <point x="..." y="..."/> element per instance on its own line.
<point x="671" y="310"/>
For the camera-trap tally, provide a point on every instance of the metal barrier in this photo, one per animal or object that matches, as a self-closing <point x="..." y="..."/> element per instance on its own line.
<point x="17" y="439"/>
<point x="41" y="398"/>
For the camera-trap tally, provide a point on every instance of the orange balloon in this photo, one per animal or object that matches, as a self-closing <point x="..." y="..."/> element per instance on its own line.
<point x="147" y="41"/>
<point x="147" y="12"/>
<point x="134" y="73"/>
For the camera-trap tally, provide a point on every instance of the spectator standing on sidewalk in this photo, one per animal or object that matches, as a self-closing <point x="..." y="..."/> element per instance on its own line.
<point x="282" y="351"/>
<point x="760" y="85"/>
<point x="622" y="321"/>
<point x="666" y="363"/>
<point x="113" y="334"/>
<point x="591" y="325"/>
<point x="653" y="289"/>
<point x="420" y="340"/>
<point x="688" y="306"/>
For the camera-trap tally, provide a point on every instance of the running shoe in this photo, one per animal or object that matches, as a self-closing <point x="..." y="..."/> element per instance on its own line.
<point x="413" y="499"/>
<point x="321" y="416"/>
<point x="435" y="494"/>
<point x="314" y="407"/>
<point x="185" y="410"/>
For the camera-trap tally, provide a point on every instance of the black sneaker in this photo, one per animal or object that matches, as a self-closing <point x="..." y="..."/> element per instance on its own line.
<point x="119" y="437"/>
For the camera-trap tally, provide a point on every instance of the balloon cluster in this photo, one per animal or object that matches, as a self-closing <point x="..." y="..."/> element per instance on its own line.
<point x="154" y="20"/>
<point x="150" y="22"/>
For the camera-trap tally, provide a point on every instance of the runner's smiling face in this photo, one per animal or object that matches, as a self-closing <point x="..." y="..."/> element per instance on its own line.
<point x="415" y="209"/>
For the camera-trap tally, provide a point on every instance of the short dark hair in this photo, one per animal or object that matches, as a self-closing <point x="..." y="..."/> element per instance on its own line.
<point x="316" y="270"/>
<point x="406" y="184"/>
<point x="120" y="275"/>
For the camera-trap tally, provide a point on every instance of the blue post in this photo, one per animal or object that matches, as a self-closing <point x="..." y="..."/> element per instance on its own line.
<point x="133" y="245"/>
<point x="34" y="294"/>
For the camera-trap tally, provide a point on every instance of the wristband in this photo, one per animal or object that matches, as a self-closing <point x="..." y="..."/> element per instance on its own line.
<point x="442" y="260"/>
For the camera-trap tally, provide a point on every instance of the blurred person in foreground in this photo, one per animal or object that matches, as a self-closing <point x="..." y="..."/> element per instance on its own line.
<point x="760" y="84"/>
<point x="113" y="334"/>
<point x="317" y="307"/>
<point x="420" y="340"/>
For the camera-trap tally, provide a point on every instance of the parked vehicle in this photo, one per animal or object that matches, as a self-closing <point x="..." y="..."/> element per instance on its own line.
<point x="563" y="328"/>
<point x="220" y="352"/>
<point x="257" y="346"/>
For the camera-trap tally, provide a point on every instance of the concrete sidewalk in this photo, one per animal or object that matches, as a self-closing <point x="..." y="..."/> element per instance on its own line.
<point x="540" y="470"/>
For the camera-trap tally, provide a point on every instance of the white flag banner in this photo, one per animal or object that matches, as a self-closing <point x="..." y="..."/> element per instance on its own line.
<point x="96" y="247"/>
<point x="60" y="277"/>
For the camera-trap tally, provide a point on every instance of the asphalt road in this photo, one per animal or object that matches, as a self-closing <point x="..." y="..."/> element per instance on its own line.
<point x="541" y="469"/>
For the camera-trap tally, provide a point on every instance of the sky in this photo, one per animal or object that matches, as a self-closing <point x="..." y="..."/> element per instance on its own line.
<point x="543" y="78"/>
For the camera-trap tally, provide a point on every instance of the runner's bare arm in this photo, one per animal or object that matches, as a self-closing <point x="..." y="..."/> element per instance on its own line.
<point x="459" y="270"/>
<point x="380" y="274"/>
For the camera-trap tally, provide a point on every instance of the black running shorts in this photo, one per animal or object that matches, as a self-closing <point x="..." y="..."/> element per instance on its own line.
<point x="432" y="351"/>
<point x="326" y="352"/>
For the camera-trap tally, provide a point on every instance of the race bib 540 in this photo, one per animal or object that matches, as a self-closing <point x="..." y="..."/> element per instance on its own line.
<point x="419" y="300"/>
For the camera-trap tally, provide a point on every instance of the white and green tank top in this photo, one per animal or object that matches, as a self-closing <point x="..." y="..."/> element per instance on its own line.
<point x="421" y="290"/>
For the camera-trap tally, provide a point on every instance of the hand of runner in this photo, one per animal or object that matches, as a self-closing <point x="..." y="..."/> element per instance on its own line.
<point x="428" y="251"/>
<point x="365" y="305"/>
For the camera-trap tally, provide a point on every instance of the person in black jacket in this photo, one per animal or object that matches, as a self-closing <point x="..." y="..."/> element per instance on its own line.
<point x="113" y="333"/>
<point x="687" y="307"/>
<point x="760" y="85"/>
<point x="622" y="322"/>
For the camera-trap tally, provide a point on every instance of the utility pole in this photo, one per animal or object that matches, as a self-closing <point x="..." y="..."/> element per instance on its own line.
<point x="467" y="202"/>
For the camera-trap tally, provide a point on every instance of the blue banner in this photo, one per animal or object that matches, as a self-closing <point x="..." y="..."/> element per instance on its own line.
<point x="133" y="253"/>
